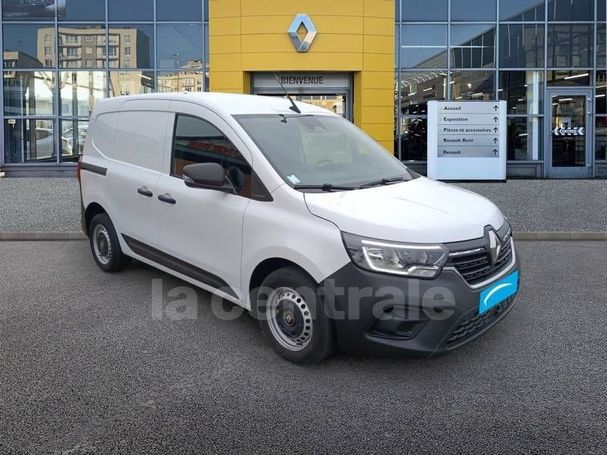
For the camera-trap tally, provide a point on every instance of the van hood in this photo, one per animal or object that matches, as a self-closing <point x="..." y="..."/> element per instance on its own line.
<point x="418" y="211"/>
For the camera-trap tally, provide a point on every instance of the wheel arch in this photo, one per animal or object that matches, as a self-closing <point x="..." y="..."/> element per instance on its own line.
<point x="91" y="210"/>
<point x="269" y="265"/>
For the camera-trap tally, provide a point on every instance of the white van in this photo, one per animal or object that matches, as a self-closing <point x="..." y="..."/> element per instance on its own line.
<point x="298" y="216"/>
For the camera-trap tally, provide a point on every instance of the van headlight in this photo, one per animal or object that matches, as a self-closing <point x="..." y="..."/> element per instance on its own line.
<point x="413" y="260"/>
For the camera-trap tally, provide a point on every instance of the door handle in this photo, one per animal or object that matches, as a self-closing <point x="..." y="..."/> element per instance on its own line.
<point x="167" y="198"/>
<point x="145" y="192"/>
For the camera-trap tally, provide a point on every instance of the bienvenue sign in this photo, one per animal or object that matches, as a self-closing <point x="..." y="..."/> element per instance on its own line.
<point x="329" y="81"/>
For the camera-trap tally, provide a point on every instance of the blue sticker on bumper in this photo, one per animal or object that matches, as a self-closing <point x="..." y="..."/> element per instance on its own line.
<point x="498" y="292"/>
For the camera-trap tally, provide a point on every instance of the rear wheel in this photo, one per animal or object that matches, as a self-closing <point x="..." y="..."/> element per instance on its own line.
<point x="105" y="245"/>
<point x="291" y="317"/>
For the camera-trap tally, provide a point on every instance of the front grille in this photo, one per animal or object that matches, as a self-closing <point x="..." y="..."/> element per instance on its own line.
<point x="467" y="329"/>
<point x="475" y="265"/>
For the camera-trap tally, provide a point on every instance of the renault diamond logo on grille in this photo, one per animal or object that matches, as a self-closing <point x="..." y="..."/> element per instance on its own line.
<point x="302" y="32"/>
<point x="495" y="245"/>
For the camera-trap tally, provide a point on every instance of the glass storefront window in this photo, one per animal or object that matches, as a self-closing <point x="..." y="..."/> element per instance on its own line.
<point x="571" y="10"/>
<point x="521" y="46"/>
<point x="473" y="85"/>
<point x="417" y="88"/>
<point x="566" y="78"/>
<point x="181" y="81"/>
<point x="473" y="46"/>
<point x="601" y="138"/>
<point x="28" y="46"/>
<point x="133" y="44"/>
<point x="601" y="11"/>
<point x="178" y="10"/>
<point x="473" y="10"/>
<point x="570" y="45"/>
<point x="601" y="92"/>
<point x="525" y="138"/>
<point x="522" y="10"/>
<point x="423" y="46"/>
<point x="413" y="139"/>
<point x="29" y="92"/>
<point x="123" y="83"/>
<point x="73" y="136"/>
<point x="61" y="56"/>
<point x="82" y="46"/>
<point x="601" y="46"/>
<point x="29" y="141"/>
<point x="206" y="42"/>
<point x="78" y="91"/>
<point x="132" y="10"/>
<point x="424" y="35"/>
<point x="523" y="91"/>
<point x="426" y="11"/>
<point x="81" y="10"/>
<point x="20" y="10"/>
<point x="179" y="45"/>
<point x="396" y="113"/>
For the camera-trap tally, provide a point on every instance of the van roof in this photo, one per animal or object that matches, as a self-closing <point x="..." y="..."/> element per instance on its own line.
<point x="222" y="103"/>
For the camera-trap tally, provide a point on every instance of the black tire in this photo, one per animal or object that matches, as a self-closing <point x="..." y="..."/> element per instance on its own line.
<point x="295" y="294"/>
<point x="105" y="245"/>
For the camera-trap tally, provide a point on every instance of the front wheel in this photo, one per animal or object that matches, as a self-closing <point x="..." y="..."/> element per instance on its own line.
<point x="292" y="318"/>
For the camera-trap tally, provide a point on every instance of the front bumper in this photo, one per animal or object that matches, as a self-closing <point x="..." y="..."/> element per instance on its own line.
<point x="389" y="315"/>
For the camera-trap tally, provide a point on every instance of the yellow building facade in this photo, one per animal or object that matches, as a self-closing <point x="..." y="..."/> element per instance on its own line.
<point x="354" y="44"/>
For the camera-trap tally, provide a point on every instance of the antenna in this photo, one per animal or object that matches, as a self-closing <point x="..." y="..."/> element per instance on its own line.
<point x="293" y="105"/>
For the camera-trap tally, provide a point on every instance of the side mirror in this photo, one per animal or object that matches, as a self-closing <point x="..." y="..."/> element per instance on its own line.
<point x="205" y="175"/>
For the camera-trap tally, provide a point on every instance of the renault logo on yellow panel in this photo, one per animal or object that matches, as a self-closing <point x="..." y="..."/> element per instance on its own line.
<point x="302" y="32"/>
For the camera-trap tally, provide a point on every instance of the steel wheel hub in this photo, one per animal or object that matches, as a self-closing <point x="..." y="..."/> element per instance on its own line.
<point x="102" y="244"/>
<point x="289" y="319"/>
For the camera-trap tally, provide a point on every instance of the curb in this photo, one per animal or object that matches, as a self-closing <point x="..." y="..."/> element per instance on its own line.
<point x="522" y="236"/>
<point x="563" y="236"/>
<point x="41" y="236"/>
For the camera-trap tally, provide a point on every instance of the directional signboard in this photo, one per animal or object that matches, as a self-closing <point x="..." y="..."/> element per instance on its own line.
<point x="467" y="140"/>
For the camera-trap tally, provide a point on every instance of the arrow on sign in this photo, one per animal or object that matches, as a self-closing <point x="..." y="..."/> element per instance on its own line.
<point x="495" y="108"/>
<point x="496" y="129"/>
<point x="573" y="131"/>
<point x="495" y="140"/>
<point x="495" y="119"/>
<point x="495" y="151"/>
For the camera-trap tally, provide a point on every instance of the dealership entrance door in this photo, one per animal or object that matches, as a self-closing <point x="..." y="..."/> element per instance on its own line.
<point x="569" y="133"/>
<point x="332" y="91"/>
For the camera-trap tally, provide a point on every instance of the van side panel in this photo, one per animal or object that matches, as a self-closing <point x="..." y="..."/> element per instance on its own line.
<point x="130" y="146"/>
<point x="140" y="139"/>
<point x="136" y="163"/>
<point x="103" y="134"/>
<point x="99" y="140"/>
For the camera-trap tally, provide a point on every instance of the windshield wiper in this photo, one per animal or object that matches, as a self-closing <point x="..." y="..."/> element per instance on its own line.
<point x="384" y="182"/>
<point x="324" y="187"/>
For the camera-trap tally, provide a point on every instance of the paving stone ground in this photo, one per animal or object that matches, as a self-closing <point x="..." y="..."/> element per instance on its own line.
<point x="53" y="204"/>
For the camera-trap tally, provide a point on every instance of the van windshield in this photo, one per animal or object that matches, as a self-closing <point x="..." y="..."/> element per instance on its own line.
<point x="322" y="151"/>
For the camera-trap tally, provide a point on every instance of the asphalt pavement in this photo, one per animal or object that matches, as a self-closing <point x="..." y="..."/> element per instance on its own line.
<point x="98" y="363"/>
